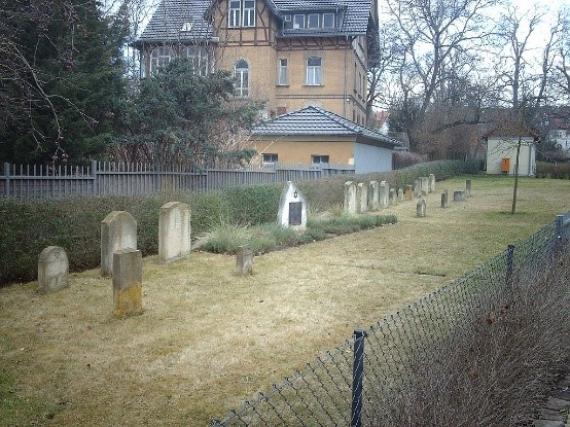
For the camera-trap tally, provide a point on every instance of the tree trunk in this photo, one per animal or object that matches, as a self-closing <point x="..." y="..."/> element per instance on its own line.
<point x="515" y="189"/>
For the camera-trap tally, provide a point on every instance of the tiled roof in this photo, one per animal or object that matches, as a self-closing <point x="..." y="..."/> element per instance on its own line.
<point x="314" y="121"/>
<point x="169" y="18"/>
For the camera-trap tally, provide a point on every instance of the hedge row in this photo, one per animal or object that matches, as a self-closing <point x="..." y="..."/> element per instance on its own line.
<point x="553" y="170"/>
<point x="74" y="224"/>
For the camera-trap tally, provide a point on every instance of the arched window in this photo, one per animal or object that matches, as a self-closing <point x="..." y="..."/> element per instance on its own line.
<point x="241" y="70"/>
<point x="314" y="75"/>
<point x="160" y="57"/>
<point x="199" y="57"/>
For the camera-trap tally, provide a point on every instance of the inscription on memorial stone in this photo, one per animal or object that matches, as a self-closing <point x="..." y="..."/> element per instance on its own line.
<point x="295" y="212"/>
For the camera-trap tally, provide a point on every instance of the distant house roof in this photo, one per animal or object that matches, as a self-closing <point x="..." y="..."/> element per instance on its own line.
<point x="171" y="16"/>
<point x="314" y="121"/>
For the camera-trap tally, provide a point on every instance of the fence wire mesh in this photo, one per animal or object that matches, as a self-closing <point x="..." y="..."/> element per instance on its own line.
<point x="403" y="349"/>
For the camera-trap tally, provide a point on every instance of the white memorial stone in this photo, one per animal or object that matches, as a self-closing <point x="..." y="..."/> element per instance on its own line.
<point x="383" y="194"/>
<point x="174" y="231"/>
<point x="361" y="197"/>
<point x="349" y="197"/>
<point x="118" y="231"/>
<point x="292" y="208"/>
<point x="374" y="195"/>
<point x="53" y="269"/>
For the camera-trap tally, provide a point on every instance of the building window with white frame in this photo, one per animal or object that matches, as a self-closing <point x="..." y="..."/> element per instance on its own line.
<point x="241" y="71"/>
<point x="234" y="10"/>
<point x="248" y="16"/>
<point x="319" y="159"/>
<point x="241" y="13"/>
<point x="198" y="57"/>
<point x="283" y="72"/>
<point x="270" y="158"/>
<point x="314" y="71"/>
<point x="313" y="20"/>
<point x="328" y="20"/>
<point x="160" y="57"/>
<point x="298" y="21"/>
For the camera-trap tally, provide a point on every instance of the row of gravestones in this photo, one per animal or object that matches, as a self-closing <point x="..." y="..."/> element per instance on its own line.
<point x="458" y="196"/>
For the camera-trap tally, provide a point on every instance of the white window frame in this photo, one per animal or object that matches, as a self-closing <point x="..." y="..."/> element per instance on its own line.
<point x="248" y="14"/>
<point x="304" y="21"/>
<point x="309" y="20"/>
<point x="199" y="57"/>
<point x="270" y="162"/>
<point x="242" y="79"/>
<point x="320" y="158"/>
<point x="314" y="74"/>
<point x="287" y="19"/>
<point x="234" y="14"/>
<point x="333" y="20"/>
<point x="283" y="72"/>
<point x="160" y="57"/>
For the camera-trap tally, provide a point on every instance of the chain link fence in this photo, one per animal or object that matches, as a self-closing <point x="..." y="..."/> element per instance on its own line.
<point x="371" y="378"/>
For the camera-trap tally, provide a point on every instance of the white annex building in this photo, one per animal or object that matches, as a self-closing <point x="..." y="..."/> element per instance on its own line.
<point x="502" y="155"/>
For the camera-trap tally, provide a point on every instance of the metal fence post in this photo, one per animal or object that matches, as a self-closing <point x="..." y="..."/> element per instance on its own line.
<point x="357" y="377"/>
<point x="7" y="181"/>
<point x="559" y="228"/>
<point x="510" y="256"/>
<point x="94" y="174"/>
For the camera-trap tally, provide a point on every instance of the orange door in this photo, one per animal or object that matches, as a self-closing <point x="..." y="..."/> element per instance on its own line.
<point x="505" y="165"/>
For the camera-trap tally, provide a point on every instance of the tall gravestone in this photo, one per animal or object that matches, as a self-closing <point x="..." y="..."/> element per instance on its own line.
<point x="458" y="195"/>
<point x="118" y="231"/>
<point x="244" y="261"/>
<point x="292" y="208"/>
<point x="444" y="201"/>
<point x="174" y="231"/>
<point x="424" y="184"/>
<point x="400" y="194"/>
<point x="421" y="208"/>
<point x="467" y="188"/>
<point x="53" y="269"/>
<point x="408" y="192"/>
<point x="417" y="187"/>
<point x="373" y="195"/>
<point x="383" y="194"/>
<point x="431" y="183"/>
<point x="393" y="197"/>
<point x="127" y="282"/>
<point x="361" y="197"/>
<point x="349" y="197"/>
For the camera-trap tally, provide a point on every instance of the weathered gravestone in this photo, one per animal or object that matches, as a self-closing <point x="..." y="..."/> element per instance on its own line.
<point x="458" y="195"/>
<point x="421" y="208"/>
<point x="431" y="183"/>
<point x="409" y="192"/>
<point x="53" y="269"/>
<point x="174" y="231"/>
<point x="244" y="261"/>
<point x="417" y="187"/>
<point x="393" y="197"/>
<point x="444" y="201"/>
<point x="361" y="197"/>
<point x="424" y="185"/>
<point x="349" y="197"/>
<point x="373" y="195"/>
<point x="118" y="231"/>
<point x="400" y="194"/>
<point x="384" y="193"/>
<point x="292" y="208"/>
<point x="127" y="282"/>
<point x="467" y="188"/>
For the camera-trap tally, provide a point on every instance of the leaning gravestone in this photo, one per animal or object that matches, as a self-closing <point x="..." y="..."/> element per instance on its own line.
<point x="118" y="231"/>
<point x="421" y="208"/>
<point x="174" y="231"/>
<point x="424" y="185"/>
<point x="244" y="261"/>
<point x="349" y="197"/>
<point x="393" y="197"/>
<point x="127" y="282"/>
<point x="361" y="197"/>
<point x="409" y="192"/>
<point x="383" y="194"/>
<point x="373" y="195"/>
<point x="292" y="208"/>
<point x="458" y="195"/>
<point x="444" y="201"/>
<point x="431" y="183"/>
<point x="467" y="188"/>
<point x="400" y="194"/>
<point x="53" y="269"/>
<point x="417" y="187"/>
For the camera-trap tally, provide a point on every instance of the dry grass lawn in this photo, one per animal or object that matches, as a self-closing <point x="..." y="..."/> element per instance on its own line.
<point x="209" y="339"/>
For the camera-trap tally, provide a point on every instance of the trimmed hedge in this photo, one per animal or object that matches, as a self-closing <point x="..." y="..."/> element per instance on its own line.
<point x="74" y="224"/>
<point x="553" y="170"/>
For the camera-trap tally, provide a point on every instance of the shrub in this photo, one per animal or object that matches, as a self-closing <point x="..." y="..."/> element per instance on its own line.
<point x="553" y="170"/>
<point x="404" y="159"/>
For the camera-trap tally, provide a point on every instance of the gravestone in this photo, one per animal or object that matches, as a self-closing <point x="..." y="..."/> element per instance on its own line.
<point x="417" y="187"/>
<point x="349" y="197"/>
<point x="361" y="197"/>
<point x="174" y="231"/>
<point x="292" y="208"/>
<point x="244" y="261"/>
<point x="421" y="208"/>
<point x="467" y="188"/>
<point x="444" y="201"/>
<point x="431" y="183"/>
<point x="458" y="196"/>
<point x="53" y="269"/>
<point x="424" y="185"/>
<point x="409" y="192"/>
<point x="383" y="194"/>
<point x="393" y="197"/>
<point x="127" y="282"/>
<point x="118" y="231"/>
<point x="400" y="194"/>
<point x="373" y="195"/>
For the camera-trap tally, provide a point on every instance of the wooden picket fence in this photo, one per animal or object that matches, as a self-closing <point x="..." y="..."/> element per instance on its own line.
<point x="29" y="182"/>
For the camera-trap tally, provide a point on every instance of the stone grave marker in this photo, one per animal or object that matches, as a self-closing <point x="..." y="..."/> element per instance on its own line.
<point x="292" y="208"/>
<point x="421" y="208"/>
<point x="424" y="185"/>
<point x="417" y="187"/>
<point x="174" y="231"/>
<point x="373" y="195"/>
<point x="118" y="231"/>
<point x="383" y="194"/>
<point x="349" y="197"/>
<point x="444" y="201"/>
<point x="400" y="194"/>
<point x="361" y="197"/>
<point x="431" y="183"/>
<point x="244" y="261"/>
<point x="458" y="195"/>
<point x="467" y="188"/>
<point x="127" y="282"/>
<point x="53" y="269"/>
<point x="393" y="197"/>
<point x="409" y="192"/>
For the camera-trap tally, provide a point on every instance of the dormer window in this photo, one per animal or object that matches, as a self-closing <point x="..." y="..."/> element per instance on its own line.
<point x="313" y="20"/>
<point x="186" y="27"/>
<point x="298" y="21"/>
<point x="241" y="13"/>
<point x="328" y="20"/>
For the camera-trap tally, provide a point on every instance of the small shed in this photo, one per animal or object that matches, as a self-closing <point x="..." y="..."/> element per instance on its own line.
<point x="313" y="136"/>
<point x="502" y="154"/>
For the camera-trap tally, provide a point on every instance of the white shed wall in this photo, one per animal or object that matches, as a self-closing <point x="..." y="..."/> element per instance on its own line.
<point x="369" y="158"/>
<point x="500" y="148"/>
